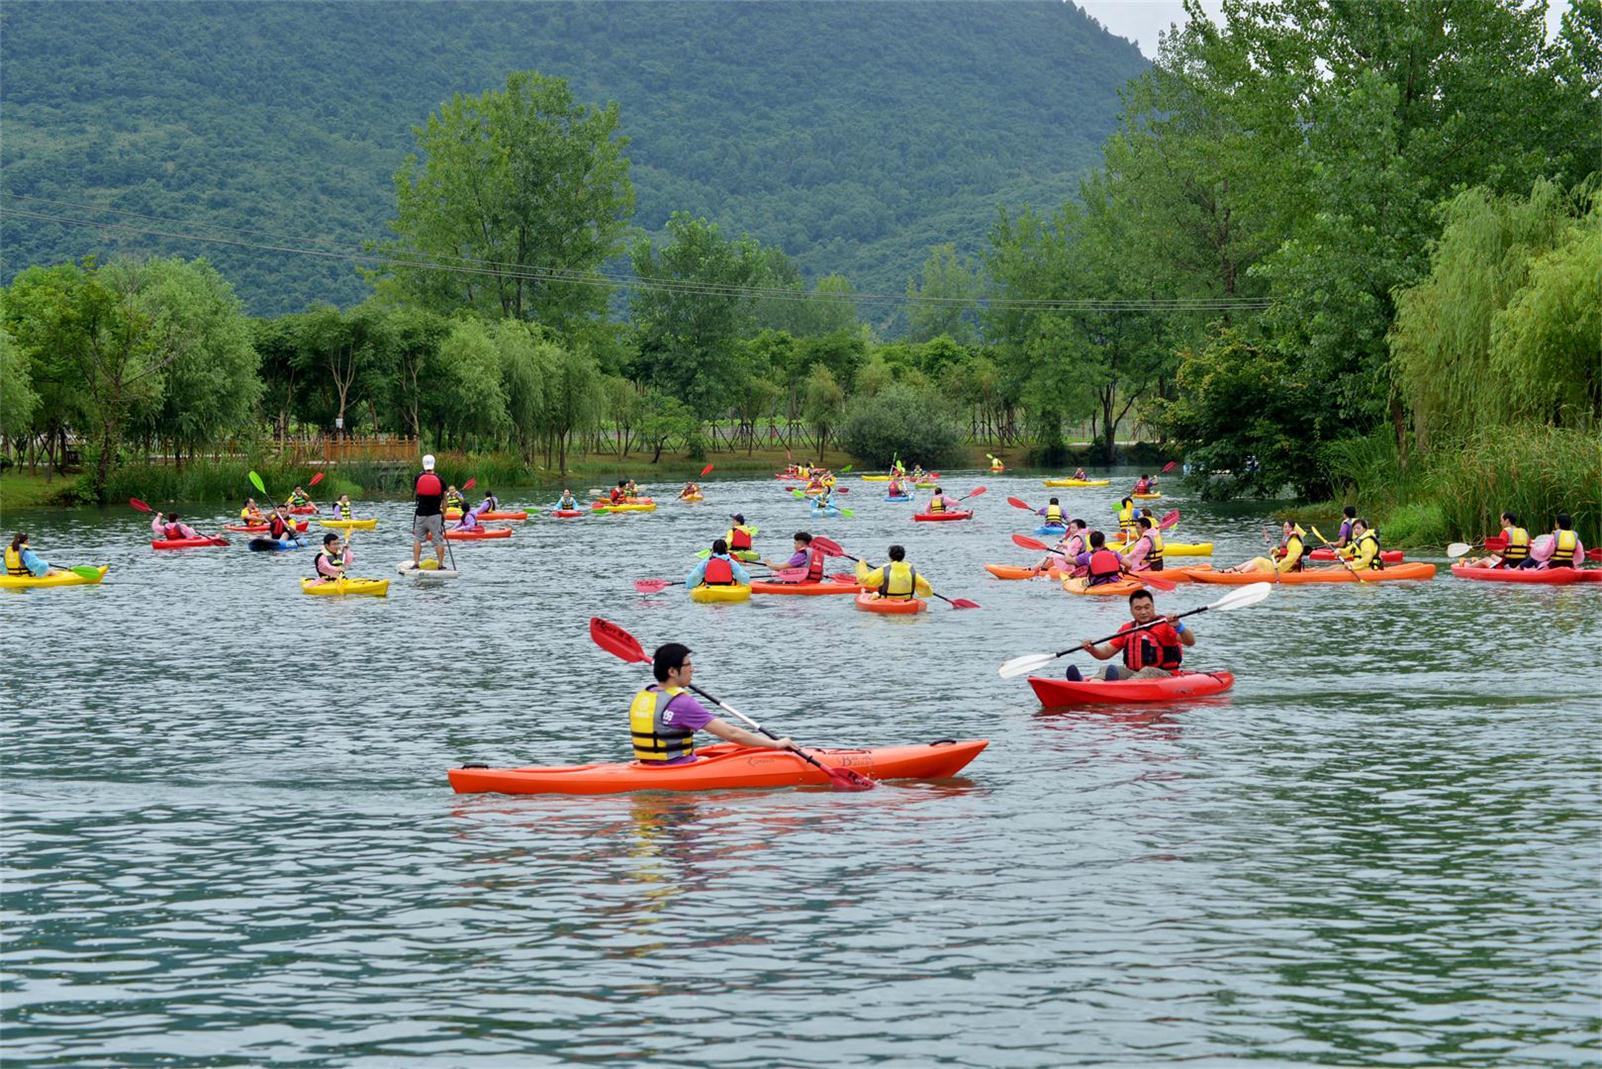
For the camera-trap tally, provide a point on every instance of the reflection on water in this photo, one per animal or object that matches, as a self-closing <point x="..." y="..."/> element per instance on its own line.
<point x="229" y="839"/>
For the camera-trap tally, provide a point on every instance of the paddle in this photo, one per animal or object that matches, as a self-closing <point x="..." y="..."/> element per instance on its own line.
<point x="656" y="586"/>
<point x="315" y="479"/>
<point x="1149" y="578"/>
<point x="625" y="647"/>
<point x="1168" y="467"/>
<point x="1457" y="549"/>
<point x="801" y="496"/>
<point x="1344" y="562"/>
<point x="84" y="571"/>
<point x="832" y="548"/>
<point x="1239" y="598"/>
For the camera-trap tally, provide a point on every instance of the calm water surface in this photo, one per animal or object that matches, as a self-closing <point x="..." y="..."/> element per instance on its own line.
<point x="229" y="840"/>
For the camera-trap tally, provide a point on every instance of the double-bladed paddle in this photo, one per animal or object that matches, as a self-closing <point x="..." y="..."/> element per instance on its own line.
<point x="1149" y="578"/>
<point x="625" y="647"/>
<point x="832" y="548"/>
<point x="1239" y="598"/>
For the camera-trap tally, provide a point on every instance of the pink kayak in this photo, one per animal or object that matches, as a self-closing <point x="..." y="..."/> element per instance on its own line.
<point x="1058" y="692"/>
<point x="186" y="543"/>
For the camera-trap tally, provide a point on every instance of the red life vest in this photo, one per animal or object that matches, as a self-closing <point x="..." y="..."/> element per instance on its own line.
<point x="428" y="485"/>
<point x="815" y="567"/>
<point x="172" y="532"/>
<point x="277" y="527"/>
<point x="1104" y="567"/>
<point x="719" y="572"/>
<point x="739" y="538"/>
<point x="1155" y="647"/>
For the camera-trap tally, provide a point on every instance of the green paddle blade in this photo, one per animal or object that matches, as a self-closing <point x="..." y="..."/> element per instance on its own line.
<point x="847" y="512"/>
<point x="85" y="571"/>
<point x="255" y="480"/>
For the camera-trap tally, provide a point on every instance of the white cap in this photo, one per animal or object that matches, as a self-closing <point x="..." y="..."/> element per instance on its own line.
<point x="428" y="462"/>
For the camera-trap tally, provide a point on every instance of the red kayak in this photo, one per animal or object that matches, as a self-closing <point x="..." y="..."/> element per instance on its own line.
<point x="1059" y="692"/>
<point x="1497" y="543"/>
<point x="1542" y="576"/>
<point x="723" y="767"/>
<point x="935" y="517"/>
<point x="566" y="514"/>
<point x="479" y="533"/>
<point x="1389" y="556"/>
<point x="186" y="543"/>
<point x="302" y="510"/>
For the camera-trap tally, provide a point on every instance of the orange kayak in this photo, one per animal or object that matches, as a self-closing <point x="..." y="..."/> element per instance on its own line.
<point x="868" y="601"/>
<point x="724" y="766"/>
<point x="1395" y="573"/>
<point x="1081" y="585"/>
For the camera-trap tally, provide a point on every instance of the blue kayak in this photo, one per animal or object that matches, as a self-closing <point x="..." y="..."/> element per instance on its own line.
<point x="908" y="497"/>
<point x="272" y="545"/>
<point x="830" y="511"/>
<point x="1051" y="529"/>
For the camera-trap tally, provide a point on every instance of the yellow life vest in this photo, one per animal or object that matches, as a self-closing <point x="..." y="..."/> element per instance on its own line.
<point x="1154" y="556"/>
<point x="1054" y="515"/>
<point x="1291" y="560"/>
<point x="342" y="509"/>
<point x="244" y="513"/>
<point x="1126" y="523"/>
<point x="1368" y="552"/>
<point x="654" y="740"/>
<point x="1564" y="545"/>
<point x="900" y="580"/>
<point x="14" y="565"/>
<point x="937" y="504"/>
<point x="1518" y="545"/>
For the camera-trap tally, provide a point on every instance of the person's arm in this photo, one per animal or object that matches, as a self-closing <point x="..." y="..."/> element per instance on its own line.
<point x="34" y="564"/>
<point x="1579" y="552"/>
<point x="696" y="575"/>
<point x="741" y="576"/>
<point x="1187" y="637"/>
<point x="1136" y="554"/>
<point x="921" y="585"/>
<point x="156" y="526"/>
<point x="1104" y="651"/>
<point x="729" y="733"/>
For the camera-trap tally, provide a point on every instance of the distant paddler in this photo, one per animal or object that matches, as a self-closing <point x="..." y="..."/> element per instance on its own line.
<point x="1289" y="556"/>
<point x="428" y="518"/>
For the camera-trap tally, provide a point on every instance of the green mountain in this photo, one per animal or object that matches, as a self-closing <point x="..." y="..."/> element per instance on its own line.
<point x="853" y="135"/>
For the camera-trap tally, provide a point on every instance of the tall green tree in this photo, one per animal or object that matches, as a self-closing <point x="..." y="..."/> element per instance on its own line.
<point x="510" y="195"/>
<point x="823" y="405"/>
<point x="944" y="298"/>
<point x="18" y="401"/>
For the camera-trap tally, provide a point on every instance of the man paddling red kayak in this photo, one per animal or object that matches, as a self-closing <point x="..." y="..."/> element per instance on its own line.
<point x="1154" y="651"/>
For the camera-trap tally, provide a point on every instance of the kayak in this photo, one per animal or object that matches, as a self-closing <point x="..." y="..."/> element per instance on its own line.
<point x="1013" y="571"/>
<point x="1544" y="576"/>
<point x="376" y="587"/>
<point x="1146" y="497"/>
<point x="633" y="506"/>
<point x="1051" y="529"/>
<point x="1059" y="692"/>
<point x="898" y="500"/>
<point x="724" y="766"/>
<point x="186" y="543"/>
<point x="830" y="510"/>
<point x="502" y="514"/>
<point x="1414" y="570"/>
<point x="1173" y="549"/>
<point x="1497" y="543"/>
<point x="259" y="528"/>
<point x="423" y="571"/>
<point x="64" y="578"/>
<point x="761" y="586"/>
<point x="1183" y="574"/>
<point x="1078" y="482"/>
<point x="478" y="533"/>
<point x="566" y="514"/>
<point x="868" y="601"/>
<point x="693" y="498"/>
<point x="302" y="510"/>
<point x="876" y="478"/>
<point x="272" y="545"/>
<point x="928" y="485"/>
<point x="1081" y="585"/>
<point x="708" y="594"/>
<point x="1390" y="556"/>
<point x="352" y="525"/>
<point x="938" y="517"/>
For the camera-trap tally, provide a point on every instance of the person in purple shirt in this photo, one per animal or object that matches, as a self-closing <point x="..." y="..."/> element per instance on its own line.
<point x="664" y="717"/>
<point x="805" y="556"/>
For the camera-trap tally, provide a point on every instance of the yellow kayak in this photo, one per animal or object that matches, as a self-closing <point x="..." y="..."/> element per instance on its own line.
<point x="1078" y="482"/>
<point x="351" y="525"/>
<point x="929" y="485"/>
<point x="334" y="587"/>
<point x="708" y="594"/>
<point x="1173" y="549"/>
<point x="648" y="507"/>
<point x="64" y="578"/>
<point x="693" y="498"/>
<point x="876" y="478"/>
<point x="1146" y="497"/>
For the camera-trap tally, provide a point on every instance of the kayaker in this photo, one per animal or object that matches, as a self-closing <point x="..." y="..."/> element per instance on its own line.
<point x="281" y="527"/>
<point x="939" y="502"/>
<point x="22" y="560"/>
<point x="1348" y="517"/>
<point x="332" y="559"/>
<point x="1143" y="485"/>
<point x="895" y="489"/>
<point x="664" y="717"/>
<point x="469" y="520"/>
<point x="342" y="508"/>
<point x="1067" y="550"/>
<point x="251" y="513"/>
<point x="631" y="489"/>
<point x="1154" y="653"/>
<point x="1567" y="549"/>
<point x="1146" y="555"/>
<point x="719" y="569"/>
<point x="739" y="536"/>
<point x="1365" y="547"/>
<point x="1289" y="556"/>
<point x="806" y="556"/>
<point x="172" y="528"/>
<point x="897" y="580"/>
<point x="428" y="519"/>
<point x="491" y="503"/>
<point x="1079" y="474"/>
<point x="618" y="492"/>
<point x="1126" y="520"/>
<point x="299" y="498"/>
<point x="1052" y="513"/>
<point x="1516" y="554"/>
<point x="1100" y="564"/>
<point x="996" y="466"/>
<point x="691" y="490"/>
<point x="454" y="498"/>
<point x="567" y="502"/>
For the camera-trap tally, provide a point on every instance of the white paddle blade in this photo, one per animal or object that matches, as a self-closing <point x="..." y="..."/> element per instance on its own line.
<point x="1242" y="596"/>
<point x="1457" y="549"/>
<point x="1022" y="666"/>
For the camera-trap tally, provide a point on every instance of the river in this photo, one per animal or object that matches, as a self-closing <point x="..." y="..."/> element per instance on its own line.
<point x="229" y="839"/>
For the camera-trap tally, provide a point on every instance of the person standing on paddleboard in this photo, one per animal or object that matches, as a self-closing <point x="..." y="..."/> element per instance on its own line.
<point x="428" y="520"/>
<point x="664" y="717"/>
<point x="1154" y="653"/>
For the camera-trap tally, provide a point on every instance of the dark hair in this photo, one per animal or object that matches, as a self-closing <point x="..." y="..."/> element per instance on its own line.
<point x="622" y="482"/>
<point x="1350" y="512"/>
<point x="18" y="538"/>
<point x="802" y="536"/>
<point x="1510" y="518"/>
<point x="1564" y="521"/>
<point x="1141" y="593"/>
<point x="1097" y="539"/>
<point x="1147" y="522"/>
<point x="1053" y="501"/>
<point x="719" y="546"/>
<point x="330" y="537"/>
<point x="1128" y="501"/>
<point x="668" y="657"/>
<point x="172" y="517"/>
<point x="1082" y="524"/>
<point x="938" y="490"/>
<point x="898" y="553"/>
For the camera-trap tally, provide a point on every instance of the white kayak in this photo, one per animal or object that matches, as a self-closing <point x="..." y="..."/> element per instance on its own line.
<point x="411" y="571"/>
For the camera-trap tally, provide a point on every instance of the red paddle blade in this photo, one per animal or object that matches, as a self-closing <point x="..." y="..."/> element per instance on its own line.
<point x="706" y="471"/>
<point x="1030" y="543"/>
<point x="1017" y="504"/>
<point x="976" y="492"/>
<point x="1151" y="579"/>
<point x="1168" y="467"/>
<point x="651" y="586"/>
<point x="1169" y="520"/>
<point x="469" y="484"/>
<point x="845" y="779"/>
<point x="134" y="502"/>
<point x="828" y="545"/>
<point x="616" y="641"/>
<point x="963" y="603"/>
<point x="315" y="479"/>
<point x="844" y="577"/>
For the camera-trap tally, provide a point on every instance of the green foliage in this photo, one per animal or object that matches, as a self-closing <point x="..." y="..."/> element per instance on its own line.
<point x="18" y="401"/>
<point x="1534" y="472"/>
<point x="665" y="419"/>
<point x="822" y="404"/>
<point x="946" y="295"/>
<point x="901" y="420"/>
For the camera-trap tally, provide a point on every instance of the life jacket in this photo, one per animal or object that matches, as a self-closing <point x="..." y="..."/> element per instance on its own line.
<point x="333" y="562"/>
<point x="1126" y="522"/>
<point x="719" y="572"/>
<point x="1377" y="562"/>
<point x="615" y="494"/>
<point x="1294" y="549"/>
<point x="996" y="465"/>
<point x="567" y="504"/>
<point x="1074" y="546"/>
<point x="277" y="527"/>
<point x="739" y="538"/>
<point x="1142" y="486"/>
<point x="244" y="514"/>
<point x="342" y="510"/>
<point x="1518" y="547"/>
<point x="1563" y="549"/>
<point x="900" y="580"/>
<point x="1054" y="515"/>
<point x="1154" y="555"/>
<point x="937" y="504"/>
<point x="428" y="485"/>
<point x="1145" y="650"/>
<point x="172" y="532"/>
<point x="1104" y="567"/>
<point x="14" y="565"/>
<point x="815" y="566"/>
<point x="654" y="740"/>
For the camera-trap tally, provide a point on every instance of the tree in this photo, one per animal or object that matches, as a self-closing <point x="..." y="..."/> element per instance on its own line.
<point x="574" y="397"/>
<point x="18" y="401"/>
<point x="664" y="419"/>
<point x="467" y="397"/>
<point x="901" y="421"/>
<point x="822" y="404"/>
<point x="515" y="193"/>
<point x="944" y="299"/>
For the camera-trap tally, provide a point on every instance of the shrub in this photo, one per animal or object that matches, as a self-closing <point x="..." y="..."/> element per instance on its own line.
<point x="917" y="425"/>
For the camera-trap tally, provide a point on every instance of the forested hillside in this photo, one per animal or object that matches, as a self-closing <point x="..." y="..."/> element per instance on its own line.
<point x="854" y="136"/>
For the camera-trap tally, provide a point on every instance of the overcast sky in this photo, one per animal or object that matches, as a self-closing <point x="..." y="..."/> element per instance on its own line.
<point x="1142" y="20"/>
